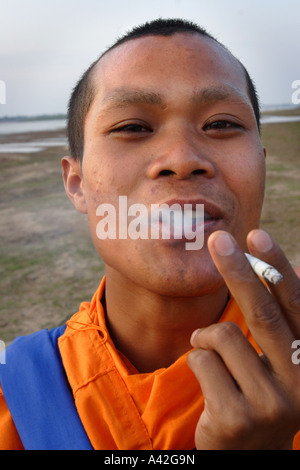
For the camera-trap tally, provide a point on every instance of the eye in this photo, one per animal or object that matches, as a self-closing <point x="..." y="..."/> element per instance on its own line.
<point x="132" y="129"/>
<point x="221" y="124"/>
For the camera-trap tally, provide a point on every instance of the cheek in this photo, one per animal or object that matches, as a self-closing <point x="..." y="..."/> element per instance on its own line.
<point x="246" y="181"/>
<point x="111" y="173"/>
<point x="99" y="182"/>
<point x="245" y="175"/>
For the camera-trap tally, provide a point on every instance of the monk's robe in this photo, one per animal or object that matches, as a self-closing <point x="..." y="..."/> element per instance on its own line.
<point x="119" y="407"/>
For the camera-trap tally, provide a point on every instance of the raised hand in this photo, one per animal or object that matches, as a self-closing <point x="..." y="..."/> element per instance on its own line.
<point x="252" y="401"/>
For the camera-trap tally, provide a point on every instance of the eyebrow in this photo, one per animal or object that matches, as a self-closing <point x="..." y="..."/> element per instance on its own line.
<point x="218" y="93"/>
<point x="122" y="97"/>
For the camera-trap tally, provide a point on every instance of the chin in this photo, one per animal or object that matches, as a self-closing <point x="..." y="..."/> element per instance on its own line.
<point x="168" y="269"/>
<point x="180" y="278"/>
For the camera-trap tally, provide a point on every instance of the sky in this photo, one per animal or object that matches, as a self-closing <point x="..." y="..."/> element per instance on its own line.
<point x="45" y="45"/>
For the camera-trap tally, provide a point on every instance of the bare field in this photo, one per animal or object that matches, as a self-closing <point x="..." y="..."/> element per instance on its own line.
<point x="48" y="264"/>
<point x="281" y="212"/>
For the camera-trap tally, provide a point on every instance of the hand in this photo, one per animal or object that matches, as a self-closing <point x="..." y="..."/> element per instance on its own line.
<point x="251" y="401"/>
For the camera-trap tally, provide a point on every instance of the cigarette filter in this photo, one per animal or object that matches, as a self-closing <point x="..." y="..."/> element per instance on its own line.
<point x="265" y="270"/>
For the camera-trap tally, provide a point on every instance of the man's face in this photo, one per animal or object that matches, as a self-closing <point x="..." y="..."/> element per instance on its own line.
<point x="172" y="122"/>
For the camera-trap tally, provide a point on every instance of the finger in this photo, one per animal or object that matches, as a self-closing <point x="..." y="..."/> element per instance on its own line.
<point x="239" y="357"/>
<point x="215" y="381"/>
<point x="297" y="270"/>
<point x="261" y="311"/>
<point x="287" y="293"/>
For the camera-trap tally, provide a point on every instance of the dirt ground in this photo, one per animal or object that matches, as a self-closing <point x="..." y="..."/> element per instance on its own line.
<point x="281" y="211"/>
<point x="48" y="264"/>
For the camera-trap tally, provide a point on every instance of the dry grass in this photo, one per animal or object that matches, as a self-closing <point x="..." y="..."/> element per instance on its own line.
<point x="48" y="263"/>
<point x="281" y="214"/>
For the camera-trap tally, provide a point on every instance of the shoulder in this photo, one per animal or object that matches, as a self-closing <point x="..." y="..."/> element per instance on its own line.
<point x="24" y="358"/>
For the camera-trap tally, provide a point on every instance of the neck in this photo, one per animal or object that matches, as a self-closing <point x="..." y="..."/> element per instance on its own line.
<point x="151" y="330"/>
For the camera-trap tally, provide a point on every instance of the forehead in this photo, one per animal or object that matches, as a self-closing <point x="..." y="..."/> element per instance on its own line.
<point x="182" y="60"/>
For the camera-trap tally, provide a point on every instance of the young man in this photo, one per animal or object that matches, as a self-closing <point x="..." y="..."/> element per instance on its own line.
<point x="166" y="116"/>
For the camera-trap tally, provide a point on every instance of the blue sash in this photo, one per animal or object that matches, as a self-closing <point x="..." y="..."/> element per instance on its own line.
<point x="38" y="395"/>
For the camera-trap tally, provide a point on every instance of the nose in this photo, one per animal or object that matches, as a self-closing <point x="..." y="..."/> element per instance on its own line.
<point x="180" y="157"/>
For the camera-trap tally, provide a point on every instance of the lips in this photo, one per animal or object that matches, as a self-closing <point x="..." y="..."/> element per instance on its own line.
<point x="184" y="218"/>
<point x="211" y="210"/>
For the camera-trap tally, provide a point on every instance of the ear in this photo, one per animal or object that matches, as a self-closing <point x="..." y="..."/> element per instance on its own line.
<point x="73" y="181"/>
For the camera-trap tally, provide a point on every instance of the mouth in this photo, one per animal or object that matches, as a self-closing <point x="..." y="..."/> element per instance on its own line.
<point x="191" y="208"/>
<point x="185" y="218"/>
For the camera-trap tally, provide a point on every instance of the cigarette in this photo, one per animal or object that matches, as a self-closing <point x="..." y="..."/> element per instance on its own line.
<point x="265" y="270"/>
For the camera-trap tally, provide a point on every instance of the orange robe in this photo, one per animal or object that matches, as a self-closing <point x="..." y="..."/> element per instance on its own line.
<point x="120" y="408"/>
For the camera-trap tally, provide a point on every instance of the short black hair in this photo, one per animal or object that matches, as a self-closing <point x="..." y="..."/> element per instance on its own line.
<point x="84" y="92"/>
<point x="161" y="27"/>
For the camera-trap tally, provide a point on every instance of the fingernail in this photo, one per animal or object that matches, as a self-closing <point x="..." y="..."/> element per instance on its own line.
<point x="262" y="241"/>
<point x="224" y="245"/>
<point x="193" y="335"/>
